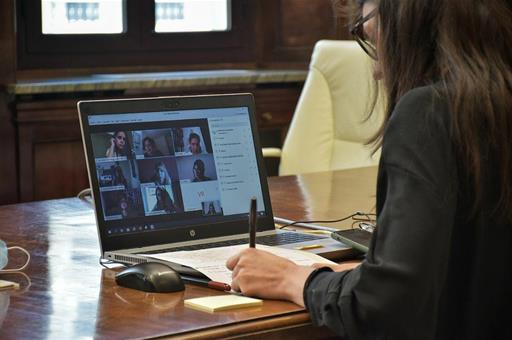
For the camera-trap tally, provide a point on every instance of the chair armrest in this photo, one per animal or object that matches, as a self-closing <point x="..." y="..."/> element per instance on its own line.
<point x="271" y="152"/>
<point x="272" y="158"/>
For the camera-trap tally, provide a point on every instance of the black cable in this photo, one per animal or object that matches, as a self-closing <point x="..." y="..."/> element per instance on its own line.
<point x="357" y="213"/>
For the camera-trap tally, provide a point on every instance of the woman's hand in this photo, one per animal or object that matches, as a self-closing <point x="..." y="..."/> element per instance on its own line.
<point x="262" y="274"/>
<point x="111" y="148"/>
<point x="339" y="267"/>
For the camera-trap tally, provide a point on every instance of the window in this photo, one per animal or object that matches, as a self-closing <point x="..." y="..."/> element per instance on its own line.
<point x="118" y="33"/>
<point x="192" y="16"/>
<point x="107" y="16"/>
<point x="82" y="17"/>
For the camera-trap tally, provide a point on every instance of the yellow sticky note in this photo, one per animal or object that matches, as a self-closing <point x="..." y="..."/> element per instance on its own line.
<point x="222" y="302"/>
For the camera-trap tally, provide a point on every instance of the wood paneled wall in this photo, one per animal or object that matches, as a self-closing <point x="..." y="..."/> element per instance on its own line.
<point x="51" y="155"/>
<point x="8" y="164"/>
<point x="40" y="142"/>
<point x="292" y="27"/>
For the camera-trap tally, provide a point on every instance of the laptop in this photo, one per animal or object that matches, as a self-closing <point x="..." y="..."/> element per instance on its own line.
<point x="178" y="173"/>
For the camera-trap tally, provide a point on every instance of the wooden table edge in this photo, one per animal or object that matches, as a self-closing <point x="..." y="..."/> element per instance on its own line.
<point x="248" y="328"/>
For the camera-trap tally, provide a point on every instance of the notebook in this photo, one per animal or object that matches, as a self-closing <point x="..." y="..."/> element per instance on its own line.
<point x="178" y="173"/>
<point x="222" y="302"/>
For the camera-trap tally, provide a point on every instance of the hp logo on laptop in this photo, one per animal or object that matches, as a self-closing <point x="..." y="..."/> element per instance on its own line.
<point x="192" y="233"/>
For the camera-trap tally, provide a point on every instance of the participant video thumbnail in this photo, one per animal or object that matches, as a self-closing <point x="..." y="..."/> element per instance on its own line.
<point x="153" y="143"/>
<point x="160" y="199"/>
<point x="160" y="171"/>
<point x="120" y="204"/>
<point x="114" y="145"/>
<point x="211" y="208"/>
<point x="191" y="141"/>
<point x="117" y="175"/>
<point x="194" y="194"/>
<point x="197" y="168"/>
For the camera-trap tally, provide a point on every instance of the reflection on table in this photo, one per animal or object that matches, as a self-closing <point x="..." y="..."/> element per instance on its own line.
<point x="69" y="295"/>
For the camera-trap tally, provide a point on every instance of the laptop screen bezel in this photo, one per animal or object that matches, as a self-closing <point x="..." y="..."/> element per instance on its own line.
<point x="182" y="234"/>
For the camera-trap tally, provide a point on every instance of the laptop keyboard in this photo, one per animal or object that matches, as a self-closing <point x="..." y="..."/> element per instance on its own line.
<point x="267" y="240"/>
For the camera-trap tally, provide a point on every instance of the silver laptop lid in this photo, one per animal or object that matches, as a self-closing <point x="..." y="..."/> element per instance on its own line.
<point x="173" y="169"/>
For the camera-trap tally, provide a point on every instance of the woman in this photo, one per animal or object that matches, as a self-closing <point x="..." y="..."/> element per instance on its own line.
<point x="211" y="209"/>
<point x="438" y="265"/>
<point x="198" y="170"/>
<point x="119" y="146"/>
<point x="118" y="175"/>
<point x="150" y="148"/>
<point x="161" y="175"/>
<point x="163" y="201"/>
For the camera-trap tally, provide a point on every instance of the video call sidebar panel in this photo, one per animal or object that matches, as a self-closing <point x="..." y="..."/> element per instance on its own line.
<point x="236" y="163"/>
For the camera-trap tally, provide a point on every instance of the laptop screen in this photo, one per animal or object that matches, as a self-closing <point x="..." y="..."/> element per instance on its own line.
<point x="171" y="170"/>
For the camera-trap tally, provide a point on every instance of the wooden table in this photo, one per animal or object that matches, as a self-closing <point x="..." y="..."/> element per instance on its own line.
<point x="66" y="294"/>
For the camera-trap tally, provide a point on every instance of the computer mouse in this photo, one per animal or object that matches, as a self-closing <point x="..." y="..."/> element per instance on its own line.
<point x="150" y="277"/>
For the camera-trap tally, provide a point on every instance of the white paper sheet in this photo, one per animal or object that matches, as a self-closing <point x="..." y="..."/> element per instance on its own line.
<point x="212" y="262"/>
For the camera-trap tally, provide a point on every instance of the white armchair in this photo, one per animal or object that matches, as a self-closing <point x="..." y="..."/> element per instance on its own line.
<point x="328" y="130"/>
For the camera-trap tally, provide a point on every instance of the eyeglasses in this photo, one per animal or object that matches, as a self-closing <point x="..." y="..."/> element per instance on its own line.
<point x="357" y="31"/>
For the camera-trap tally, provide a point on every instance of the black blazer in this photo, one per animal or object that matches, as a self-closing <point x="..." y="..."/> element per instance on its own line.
<point x="431" y="271"/>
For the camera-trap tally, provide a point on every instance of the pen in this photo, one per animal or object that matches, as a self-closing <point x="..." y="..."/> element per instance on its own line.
<point x="311" y="246"/>
<point x="206" y="283"/>
<point x="252" y="223"/>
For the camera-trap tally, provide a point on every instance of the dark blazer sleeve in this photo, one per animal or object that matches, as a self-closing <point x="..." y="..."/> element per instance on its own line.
<point x="395" y="292"/>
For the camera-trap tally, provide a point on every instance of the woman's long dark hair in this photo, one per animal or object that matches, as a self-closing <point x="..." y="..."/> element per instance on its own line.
<point x="465" y="47"/>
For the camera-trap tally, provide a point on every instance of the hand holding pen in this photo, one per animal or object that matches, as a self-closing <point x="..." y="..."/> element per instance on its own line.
<point x="252" y="243"/>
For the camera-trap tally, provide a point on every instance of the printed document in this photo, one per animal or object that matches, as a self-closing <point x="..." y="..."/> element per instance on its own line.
<point x="212" y="262"/>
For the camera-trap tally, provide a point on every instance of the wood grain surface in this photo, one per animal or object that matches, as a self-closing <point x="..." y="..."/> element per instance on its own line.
<point x="66" y="294"/>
